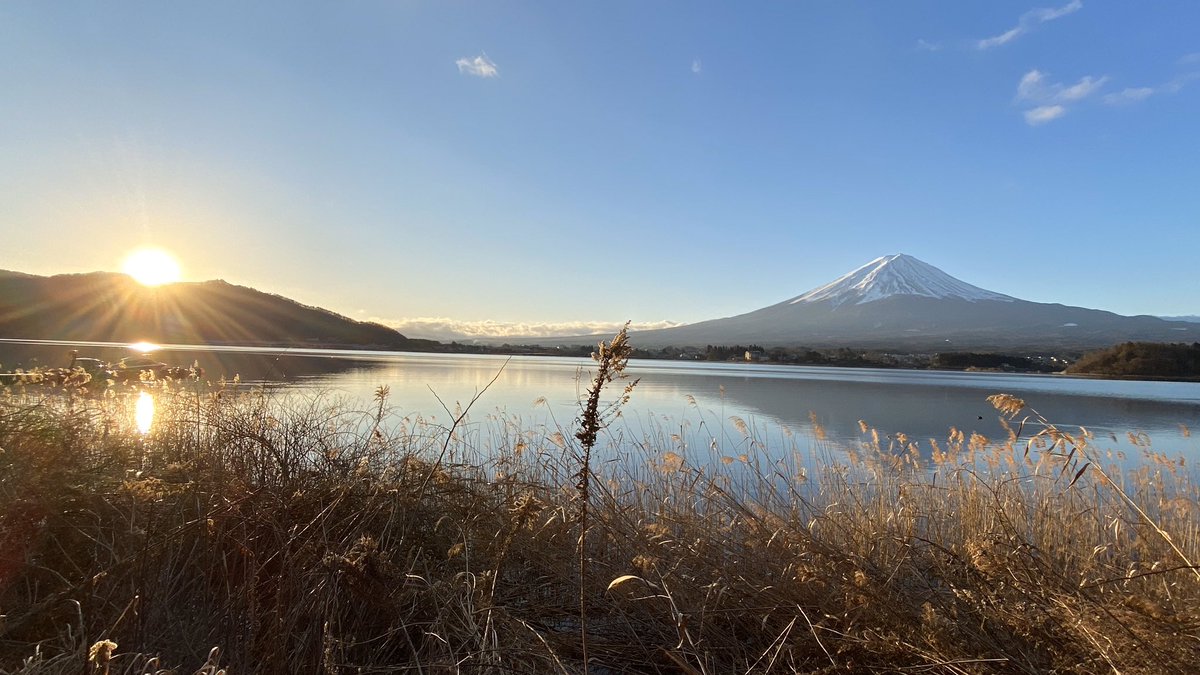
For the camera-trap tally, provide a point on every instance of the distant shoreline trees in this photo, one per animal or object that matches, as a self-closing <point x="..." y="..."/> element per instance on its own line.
<point x="1142" y="359"/>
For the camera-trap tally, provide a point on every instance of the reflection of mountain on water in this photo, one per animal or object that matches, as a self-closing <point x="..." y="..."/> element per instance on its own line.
<point x="248" y="365"/>
<point x="838" y="406"/>
<point x="415" y="379"/>
<point x="920" y="404"/>
<point x="269" y="367"/>
<point x="921" y="411"/>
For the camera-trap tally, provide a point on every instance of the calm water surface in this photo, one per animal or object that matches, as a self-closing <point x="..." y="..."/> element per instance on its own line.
<point x="702" y="400"/>
<point x="714" y="405"/>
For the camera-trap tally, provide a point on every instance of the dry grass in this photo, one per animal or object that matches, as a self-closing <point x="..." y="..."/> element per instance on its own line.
<point x="298" y="536"/>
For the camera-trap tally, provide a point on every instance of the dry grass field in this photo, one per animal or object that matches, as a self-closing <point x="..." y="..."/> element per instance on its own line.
<point x="250" y="533"/>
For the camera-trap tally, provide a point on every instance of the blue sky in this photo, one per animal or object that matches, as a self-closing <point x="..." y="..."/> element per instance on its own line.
<point x="535" y="163"/>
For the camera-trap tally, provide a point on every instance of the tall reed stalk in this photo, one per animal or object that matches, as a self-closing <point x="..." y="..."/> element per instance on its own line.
<point x="611" y="359"/>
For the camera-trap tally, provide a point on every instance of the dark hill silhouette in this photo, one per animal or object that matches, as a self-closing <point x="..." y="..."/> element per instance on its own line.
<point x="109" y="307"/>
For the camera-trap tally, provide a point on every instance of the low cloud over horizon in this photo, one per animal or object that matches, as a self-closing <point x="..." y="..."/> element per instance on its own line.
<point x="445" y="329"/>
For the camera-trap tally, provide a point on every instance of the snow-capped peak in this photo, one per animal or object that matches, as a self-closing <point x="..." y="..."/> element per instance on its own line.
<point x="896" y="275"/>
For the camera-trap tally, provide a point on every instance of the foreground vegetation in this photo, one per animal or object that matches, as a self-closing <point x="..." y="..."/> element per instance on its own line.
<point x="249" y="533"/>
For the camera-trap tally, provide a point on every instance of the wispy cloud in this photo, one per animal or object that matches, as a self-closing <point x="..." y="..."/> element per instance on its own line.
<point x="1043" y="114"/>
<point x="1001" y="39"/>
<point x="1030" y="85"/>
<point x="480" y="66"/>
<point x="1035" y="87"/>
<point x="697" y="67"/>
<point x="1136" y="94"/>
<point x="1028" y="21"/>
<point x="445" y="329"/>
<point x="1130" y="95"/>
<point x="1082" y="89"/>
<point x="1050" y="99"/>
<point x="927" y="46"/>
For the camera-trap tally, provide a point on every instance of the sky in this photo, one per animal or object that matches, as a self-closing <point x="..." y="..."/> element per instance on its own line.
<point x="552" y="167"/>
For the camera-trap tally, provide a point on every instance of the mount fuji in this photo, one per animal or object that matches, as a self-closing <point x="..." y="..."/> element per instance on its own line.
<point x="895" y="275"/>
<point x="900" y="302"/>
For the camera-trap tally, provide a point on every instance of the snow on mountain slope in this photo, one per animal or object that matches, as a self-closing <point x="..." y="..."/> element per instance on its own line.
<point x="895" y="275"/>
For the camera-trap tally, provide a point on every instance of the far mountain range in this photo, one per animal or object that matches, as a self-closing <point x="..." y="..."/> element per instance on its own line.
<point x="894" y="302"/>
<point x="901" y="303"/>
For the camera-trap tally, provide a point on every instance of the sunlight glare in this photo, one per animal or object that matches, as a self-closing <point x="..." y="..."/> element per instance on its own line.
<point x="144" y="347"/>
<point x="143" y="414"/>
<point x="151" y="267"/>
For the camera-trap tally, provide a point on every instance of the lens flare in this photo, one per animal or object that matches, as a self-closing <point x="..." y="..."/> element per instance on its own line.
<point x="143" y="413"/>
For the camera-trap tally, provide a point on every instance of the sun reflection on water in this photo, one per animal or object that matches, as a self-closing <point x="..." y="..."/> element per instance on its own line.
<point x="143" y="414"/>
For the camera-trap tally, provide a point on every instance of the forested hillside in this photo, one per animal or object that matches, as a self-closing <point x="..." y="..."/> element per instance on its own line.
<point x="1142" y="359"/>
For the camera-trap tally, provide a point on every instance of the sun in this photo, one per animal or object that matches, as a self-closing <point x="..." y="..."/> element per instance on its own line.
<point x="151" y="266"/>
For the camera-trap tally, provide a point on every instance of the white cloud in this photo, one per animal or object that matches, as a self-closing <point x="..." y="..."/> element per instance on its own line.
<point x="1188" y="63"/>
<point x="1028" y="21"/>
<point x="1043" y="114"/>
<point x="1082" y="89"/>
<point x="1045" y="14"/>
<point x="1030" y="86"/>
<point x="1035" y="88"/>
<point x="1001" y="39"/>
<point x="1049" y="98"/>
<point x="480" y="66"/>
<point x="445" y="329"/>
<point x="927" y="46"/>
<point x="1130" y="95"/>
<point x="1136" y="94"/>
<point x="697" y="67"/>
<point x="1178" y="83"/>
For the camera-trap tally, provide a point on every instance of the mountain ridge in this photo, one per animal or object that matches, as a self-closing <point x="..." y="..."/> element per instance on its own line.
<point x="112" y="307"/>
<point x="895" y="302"/>
<point x="900" y="302"/>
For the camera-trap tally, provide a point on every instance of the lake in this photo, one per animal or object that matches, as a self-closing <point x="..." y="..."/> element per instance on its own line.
<point x="703" y="402"/>
<point x="721" y="405"/>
